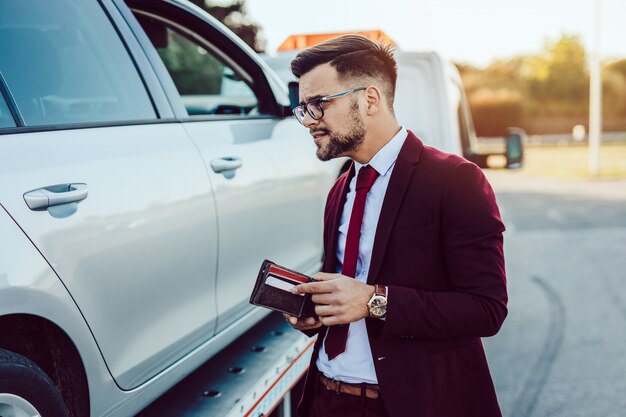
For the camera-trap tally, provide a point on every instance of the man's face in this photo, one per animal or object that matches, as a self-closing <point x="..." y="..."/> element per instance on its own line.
<point x="341" y="130"/>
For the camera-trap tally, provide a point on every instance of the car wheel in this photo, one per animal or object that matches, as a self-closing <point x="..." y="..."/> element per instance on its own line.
<point x="26" y="390"/>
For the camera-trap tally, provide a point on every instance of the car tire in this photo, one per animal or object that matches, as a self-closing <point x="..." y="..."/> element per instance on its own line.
<point x="26" y="390"/>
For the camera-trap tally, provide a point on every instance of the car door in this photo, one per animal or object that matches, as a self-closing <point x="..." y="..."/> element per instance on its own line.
<point x="269" y="187"/>
<point x="106" y="185"/>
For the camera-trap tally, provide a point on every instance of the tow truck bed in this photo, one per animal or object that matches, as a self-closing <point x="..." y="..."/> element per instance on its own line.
<point x="248" y="378"/>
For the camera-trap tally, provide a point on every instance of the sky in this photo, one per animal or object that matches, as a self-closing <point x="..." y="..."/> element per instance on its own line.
<point x="468" y="31"/>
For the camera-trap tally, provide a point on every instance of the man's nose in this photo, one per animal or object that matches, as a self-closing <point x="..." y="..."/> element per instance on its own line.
<point x="308" y="121"/>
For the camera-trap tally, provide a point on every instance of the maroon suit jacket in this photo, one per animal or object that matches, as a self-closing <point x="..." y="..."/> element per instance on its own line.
<point x="438" y="247"/>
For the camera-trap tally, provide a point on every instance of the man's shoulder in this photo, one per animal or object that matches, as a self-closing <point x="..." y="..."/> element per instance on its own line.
<point x="440" y="159"/>
<point x="416" y="151"/>
<point x="437" y="169"/>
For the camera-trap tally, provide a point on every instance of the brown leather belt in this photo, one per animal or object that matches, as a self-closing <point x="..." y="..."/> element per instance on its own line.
<point x="371" y="391"/>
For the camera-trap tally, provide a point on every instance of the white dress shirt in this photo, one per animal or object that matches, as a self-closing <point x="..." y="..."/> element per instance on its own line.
<point x="355" y="364"/>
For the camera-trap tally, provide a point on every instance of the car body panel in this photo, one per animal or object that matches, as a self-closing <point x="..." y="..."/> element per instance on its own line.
<point x="28" y="285"/>
<point x="145" y="236"/>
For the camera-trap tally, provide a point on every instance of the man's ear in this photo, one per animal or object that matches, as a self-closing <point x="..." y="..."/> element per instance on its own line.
<point x="373" y="95"/>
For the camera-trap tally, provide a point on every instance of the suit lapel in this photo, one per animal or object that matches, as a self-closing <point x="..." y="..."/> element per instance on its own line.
<point x="396" y="190"/>
<point x="332" y="222"/>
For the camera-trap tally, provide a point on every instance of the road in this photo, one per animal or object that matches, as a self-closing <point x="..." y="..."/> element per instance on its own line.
<point x="562" y="349"/>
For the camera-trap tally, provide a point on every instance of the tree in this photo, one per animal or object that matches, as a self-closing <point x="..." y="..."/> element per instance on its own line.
<point x="560" y="72"/>
<point x="495" y="95"/>
<point x="618" y="67"/>
<point x="234" y="16"/>
<point x="614" y="88"/>
<point x="547" y="92"/>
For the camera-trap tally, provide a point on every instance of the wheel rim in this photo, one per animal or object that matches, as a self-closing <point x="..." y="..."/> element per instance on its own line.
<point x="14" y="406"/>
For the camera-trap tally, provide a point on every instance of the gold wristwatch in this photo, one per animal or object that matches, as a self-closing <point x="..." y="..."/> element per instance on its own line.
<point x="377" y="305"/>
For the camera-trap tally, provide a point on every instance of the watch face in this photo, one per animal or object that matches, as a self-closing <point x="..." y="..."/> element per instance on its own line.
<point x="378" y="306"/>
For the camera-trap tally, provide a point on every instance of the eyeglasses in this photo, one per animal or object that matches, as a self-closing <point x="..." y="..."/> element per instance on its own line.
<point x="315" y="109"/>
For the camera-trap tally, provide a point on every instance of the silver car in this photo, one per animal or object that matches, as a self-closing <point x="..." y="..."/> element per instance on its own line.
<point x="149" y="162"/>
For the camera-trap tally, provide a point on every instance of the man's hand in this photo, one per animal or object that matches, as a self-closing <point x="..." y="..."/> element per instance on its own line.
<point x="308" y="323"/>
<point x="339" y="299"/>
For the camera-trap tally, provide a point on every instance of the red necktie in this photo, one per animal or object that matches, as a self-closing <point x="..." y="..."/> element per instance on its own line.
<point x="336" y="337"/>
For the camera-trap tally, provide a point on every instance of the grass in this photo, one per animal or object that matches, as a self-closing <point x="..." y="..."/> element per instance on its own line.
<point x="571" y="161"/>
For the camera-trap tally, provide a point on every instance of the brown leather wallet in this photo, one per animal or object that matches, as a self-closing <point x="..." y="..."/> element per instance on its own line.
<point x="371" y="391"/>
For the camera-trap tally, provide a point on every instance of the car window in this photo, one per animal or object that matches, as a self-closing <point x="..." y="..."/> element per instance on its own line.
<point x="206" y="84"/>
<point x="6" y="119"/>
<point x="63" y="62"/>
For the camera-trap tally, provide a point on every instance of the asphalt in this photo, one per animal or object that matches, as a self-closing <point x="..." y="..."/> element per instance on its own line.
<point x="562" y="349"/>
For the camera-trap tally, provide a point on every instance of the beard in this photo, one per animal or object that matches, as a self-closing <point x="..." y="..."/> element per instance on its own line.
<point x="347" y="140"/>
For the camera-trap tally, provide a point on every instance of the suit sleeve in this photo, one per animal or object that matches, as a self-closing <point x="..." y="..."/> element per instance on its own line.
<point x="474" y="304"/>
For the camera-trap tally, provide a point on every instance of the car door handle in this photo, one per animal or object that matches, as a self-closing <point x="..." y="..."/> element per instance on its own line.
<point x="227" y="163"/>
<point x="55" y="195"/>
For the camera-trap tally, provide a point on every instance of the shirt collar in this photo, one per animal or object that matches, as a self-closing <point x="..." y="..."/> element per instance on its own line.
<point x="384" y="159"/>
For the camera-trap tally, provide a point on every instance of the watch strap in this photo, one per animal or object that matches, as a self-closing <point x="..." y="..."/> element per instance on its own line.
<point x="380" y="290"/>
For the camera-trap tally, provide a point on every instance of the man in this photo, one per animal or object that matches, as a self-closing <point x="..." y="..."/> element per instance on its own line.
<point x="413" y="272"/>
